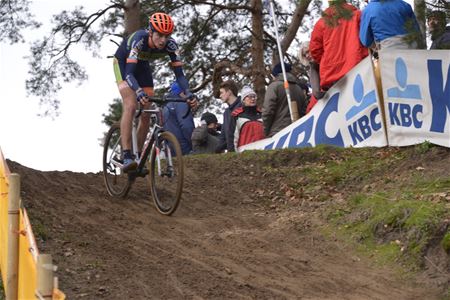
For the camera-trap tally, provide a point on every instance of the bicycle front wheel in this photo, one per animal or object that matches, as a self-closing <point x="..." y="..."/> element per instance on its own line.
<point x="166" y="173"/>
<point x="116" y="181"/>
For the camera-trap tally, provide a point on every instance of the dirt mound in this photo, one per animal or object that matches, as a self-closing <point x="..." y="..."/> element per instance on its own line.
<point x="249" y="226"/>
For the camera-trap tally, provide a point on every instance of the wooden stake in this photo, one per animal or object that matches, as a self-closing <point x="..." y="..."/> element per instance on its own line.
<point x="13" y="237"/>
<point x="44" y="277"/>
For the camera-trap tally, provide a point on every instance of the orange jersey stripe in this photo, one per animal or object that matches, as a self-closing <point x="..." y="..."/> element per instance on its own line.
<point x="132" y="61"/>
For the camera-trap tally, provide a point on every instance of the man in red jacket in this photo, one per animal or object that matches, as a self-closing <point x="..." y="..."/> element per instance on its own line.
<point x="335" y="44"/>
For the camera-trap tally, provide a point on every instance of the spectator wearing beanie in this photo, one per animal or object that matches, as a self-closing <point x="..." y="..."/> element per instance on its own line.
<point x="248" y="122"/>
<point x="275" y="111"/>
<point x="205" y="138"/>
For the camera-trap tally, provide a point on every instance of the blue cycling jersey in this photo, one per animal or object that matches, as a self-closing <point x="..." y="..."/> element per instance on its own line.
<point x="133" y="55"/>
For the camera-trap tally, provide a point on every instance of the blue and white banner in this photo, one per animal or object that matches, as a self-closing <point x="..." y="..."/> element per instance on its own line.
<point x="416" y="92"/>
<point x="348" y="116"/>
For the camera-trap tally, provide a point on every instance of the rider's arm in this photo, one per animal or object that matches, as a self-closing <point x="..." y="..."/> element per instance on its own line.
<point x="137" y="43"/>
<point x="177" y="65"/>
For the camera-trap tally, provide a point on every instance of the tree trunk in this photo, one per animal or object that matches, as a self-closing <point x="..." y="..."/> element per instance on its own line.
<point x="291" y="32"/>
<point x="132" y="16"/>
<point x="419" y="10"/>
<point x="257" y="52"/>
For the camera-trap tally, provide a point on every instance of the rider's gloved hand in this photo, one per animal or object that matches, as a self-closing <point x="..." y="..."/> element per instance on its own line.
<point x="189" y="95"/>
<point x="142" y="96"/>
<point x="192" y="100"/>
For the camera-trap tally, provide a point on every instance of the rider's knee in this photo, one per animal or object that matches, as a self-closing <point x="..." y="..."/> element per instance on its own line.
<point x="129" y="103"/>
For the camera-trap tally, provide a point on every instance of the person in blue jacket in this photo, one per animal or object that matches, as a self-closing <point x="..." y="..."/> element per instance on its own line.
<point x="389" y="24"/>
<point x="178" y="119"/>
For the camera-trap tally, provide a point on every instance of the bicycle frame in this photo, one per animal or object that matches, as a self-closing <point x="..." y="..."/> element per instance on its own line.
<point x="151" y="140"/>
<point x="160" y="151"/>
<point x="154" y="129"/>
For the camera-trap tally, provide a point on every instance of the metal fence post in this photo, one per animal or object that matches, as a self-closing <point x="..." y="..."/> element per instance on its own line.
<point x="12" y="264"/>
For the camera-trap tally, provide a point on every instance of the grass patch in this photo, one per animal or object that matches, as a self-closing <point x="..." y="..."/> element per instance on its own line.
<point x="424" y="147"/>
<point x="391" y="229"/>
<point x="446" y="242"/>
<point x="40" y="231"/>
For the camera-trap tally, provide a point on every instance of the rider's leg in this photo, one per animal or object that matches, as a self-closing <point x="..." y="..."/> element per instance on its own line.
<point x="128" y="108"/>
<point x="126" y="123"/>
<point x="144" y="122"/>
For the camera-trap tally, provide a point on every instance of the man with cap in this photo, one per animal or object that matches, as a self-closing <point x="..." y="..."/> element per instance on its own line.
<point x="205" y="138"/>
<point x="178" y="119"/>
<point x="247" y="119"/>
<point x="439" y="30"/>
<point x="275" y="111"/>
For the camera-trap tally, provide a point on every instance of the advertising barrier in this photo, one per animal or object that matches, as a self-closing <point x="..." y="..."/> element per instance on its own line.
<point x="416" y="91"/>
<point x="415" y="105"/>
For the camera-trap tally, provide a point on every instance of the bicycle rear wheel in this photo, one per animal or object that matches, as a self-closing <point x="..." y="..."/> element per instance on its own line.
<point x="116" y="181"/>
<point x="166" y="173"/>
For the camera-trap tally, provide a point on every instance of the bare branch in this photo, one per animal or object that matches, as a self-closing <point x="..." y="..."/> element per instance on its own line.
<point x="221" y="6"/>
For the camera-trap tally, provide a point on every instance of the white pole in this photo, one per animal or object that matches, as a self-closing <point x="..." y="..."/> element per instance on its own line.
<point x="293" y="110"/>
<point x="44" y="277"/>
<point x="13" y="237"/>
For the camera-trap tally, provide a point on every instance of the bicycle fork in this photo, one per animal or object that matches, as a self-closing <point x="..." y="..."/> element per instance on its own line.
<point x="163" y="152"/>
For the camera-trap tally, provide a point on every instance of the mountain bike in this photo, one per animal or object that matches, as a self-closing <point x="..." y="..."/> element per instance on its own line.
<point x="161" y="154"/>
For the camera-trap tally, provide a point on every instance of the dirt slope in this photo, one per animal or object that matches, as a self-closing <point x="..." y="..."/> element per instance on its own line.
<point x="233" y="236"/>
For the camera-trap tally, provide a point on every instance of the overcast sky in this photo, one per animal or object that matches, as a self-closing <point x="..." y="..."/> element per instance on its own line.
<point x="71" y="141"/>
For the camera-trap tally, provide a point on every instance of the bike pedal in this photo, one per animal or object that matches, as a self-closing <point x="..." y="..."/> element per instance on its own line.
<point x="132" y="174"/>
<point x="141" y="173"/>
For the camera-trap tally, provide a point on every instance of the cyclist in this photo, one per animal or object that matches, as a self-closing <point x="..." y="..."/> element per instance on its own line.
<point x="134" y="77"/>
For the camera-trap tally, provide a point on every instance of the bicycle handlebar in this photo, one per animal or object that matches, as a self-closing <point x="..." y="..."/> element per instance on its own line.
<point x="166" y="99"/>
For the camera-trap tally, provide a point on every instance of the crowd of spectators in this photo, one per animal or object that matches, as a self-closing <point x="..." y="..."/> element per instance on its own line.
<point x="340" y="39"/>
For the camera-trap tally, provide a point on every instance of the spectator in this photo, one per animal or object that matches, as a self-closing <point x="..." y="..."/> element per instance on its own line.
<point x="205" y="138"/>
<point x="228" y="95"/>
<point x="275" y="112"/>
<point x="335" y="45"/>
<point x="306" y="60"/>
<point x="389" y="24"/>
<point x="439" y="30"/>
<point x="247" y="119"/>
<point x="177" y="122"/>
